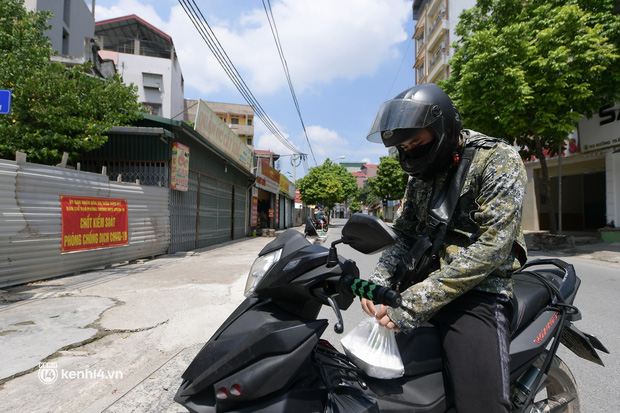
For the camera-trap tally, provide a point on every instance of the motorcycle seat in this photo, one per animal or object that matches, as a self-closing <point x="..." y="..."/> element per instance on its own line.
<point x="530" y="296"/>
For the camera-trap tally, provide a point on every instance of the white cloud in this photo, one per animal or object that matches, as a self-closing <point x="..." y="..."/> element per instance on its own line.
<point x="127" y="7"/>
<point x="325" y="143"/>
<point x="322" y="40"/>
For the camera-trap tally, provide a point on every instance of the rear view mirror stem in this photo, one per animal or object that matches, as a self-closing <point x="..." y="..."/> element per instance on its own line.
<point x="332" y="259"/>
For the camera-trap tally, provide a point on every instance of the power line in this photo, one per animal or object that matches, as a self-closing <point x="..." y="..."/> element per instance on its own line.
<point x="276" y="38"/>
<point x="200" y="23"/>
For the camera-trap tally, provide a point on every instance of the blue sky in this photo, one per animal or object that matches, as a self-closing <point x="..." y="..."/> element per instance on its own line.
<point x="345" y="57"/>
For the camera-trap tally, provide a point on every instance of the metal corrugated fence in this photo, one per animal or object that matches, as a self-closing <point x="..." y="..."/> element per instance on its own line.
<point x="30" y="221"/>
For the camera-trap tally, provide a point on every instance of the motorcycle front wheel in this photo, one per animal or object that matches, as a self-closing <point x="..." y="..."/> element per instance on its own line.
<point x="559" y="386"/>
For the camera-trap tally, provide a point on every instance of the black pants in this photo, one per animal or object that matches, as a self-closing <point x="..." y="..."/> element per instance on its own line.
<point x="475" y="332"/>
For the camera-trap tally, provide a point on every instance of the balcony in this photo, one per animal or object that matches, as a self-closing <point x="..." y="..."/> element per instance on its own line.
<point x="419" y="57"/>
<point x="438" y="34"/>
<point x="242" y="130"/>
<point x="437" y="71"/>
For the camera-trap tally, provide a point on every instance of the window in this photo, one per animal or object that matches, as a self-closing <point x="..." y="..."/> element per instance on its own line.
<point x="249" y="141"/>
<point x="249" y="121"/>
<point x="152" y="80"/>
<point x="153" y="108"/>
<point x="234" y="120"/>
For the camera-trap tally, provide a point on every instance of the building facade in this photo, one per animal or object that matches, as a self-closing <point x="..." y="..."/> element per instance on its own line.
<point x="71" y="23"/>
<point x="146" y="57"/>
<point x="434" y="33"/>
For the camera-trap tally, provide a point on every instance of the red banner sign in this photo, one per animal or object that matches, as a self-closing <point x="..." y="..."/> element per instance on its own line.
<point x="91" y="223"/>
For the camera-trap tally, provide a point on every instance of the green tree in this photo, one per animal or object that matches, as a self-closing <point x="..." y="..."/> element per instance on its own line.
<point x="391" y="181"/>
<point x="328" y="184"/>
<point x="54" y="109"/>
<point x="366" y="196"/>
<point x="528" y="71"/>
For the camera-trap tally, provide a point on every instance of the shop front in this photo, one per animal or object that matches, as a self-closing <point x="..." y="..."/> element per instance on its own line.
<point x="266" y="197"/>
<point x="585" y="180"/>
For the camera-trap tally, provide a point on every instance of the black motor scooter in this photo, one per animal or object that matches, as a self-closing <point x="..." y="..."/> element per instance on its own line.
<point x="268" y="355"/>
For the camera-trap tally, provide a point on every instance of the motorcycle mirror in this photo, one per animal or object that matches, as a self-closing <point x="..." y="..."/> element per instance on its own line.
<point x="367" y="234"/>
<point x="309" y="230"/>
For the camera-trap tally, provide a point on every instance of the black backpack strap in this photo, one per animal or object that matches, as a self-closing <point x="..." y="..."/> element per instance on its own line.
<point x="445" y="205"/>
<point x="422" y="259"/>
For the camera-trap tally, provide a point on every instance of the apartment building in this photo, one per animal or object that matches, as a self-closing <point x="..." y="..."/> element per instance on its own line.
<point x="434" y="33"/>
<point x="146" y="57"/>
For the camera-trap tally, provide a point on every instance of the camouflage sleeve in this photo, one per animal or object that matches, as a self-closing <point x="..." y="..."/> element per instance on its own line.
<point x="498" y="216"/>
<point x="405" y="225"/>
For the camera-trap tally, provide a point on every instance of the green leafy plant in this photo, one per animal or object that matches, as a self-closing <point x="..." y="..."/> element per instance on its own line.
<point x="54" y="108"/>
<point x="528" y="71"/>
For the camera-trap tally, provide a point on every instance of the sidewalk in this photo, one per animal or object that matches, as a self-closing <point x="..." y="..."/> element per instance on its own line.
<point x="579" y="245"/>
<point x="117" y="339"/>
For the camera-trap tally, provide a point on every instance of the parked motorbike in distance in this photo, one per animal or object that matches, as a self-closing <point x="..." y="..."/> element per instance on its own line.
<point x="268" y="356"/>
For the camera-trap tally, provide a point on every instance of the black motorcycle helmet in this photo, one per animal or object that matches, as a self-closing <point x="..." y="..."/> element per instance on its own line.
<point x="424" y="106"/>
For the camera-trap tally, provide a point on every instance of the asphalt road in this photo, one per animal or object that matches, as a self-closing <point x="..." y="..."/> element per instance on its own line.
<point x="597" y="300"/>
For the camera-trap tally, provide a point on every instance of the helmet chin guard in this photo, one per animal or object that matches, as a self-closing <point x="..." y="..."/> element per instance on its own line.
<point x="424" y="106"/>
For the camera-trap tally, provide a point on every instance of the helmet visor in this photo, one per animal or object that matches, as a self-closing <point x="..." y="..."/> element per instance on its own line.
<point x="401" y="114"/>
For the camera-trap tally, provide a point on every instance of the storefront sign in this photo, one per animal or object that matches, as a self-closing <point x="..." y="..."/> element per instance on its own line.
<point x="214" y="130"/>
<point x="267" y="178"/>
<point x="602" y="130"/>
<point x="179" y="176"/>
<point x="89" y="223"/>
<point x="298" y="202"/>
<point x="270" y="212"/>
<point x="254" y="219"/>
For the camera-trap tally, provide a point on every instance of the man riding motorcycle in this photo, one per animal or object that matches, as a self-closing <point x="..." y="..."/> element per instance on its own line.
<point x="467" y="286"/>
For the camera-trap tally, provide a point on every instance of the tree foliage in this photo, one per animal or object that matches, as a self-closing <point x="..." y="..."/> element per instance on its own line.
<point x="328" y="184"/>
<point x="54" y="109"/>
<point x="528" y="71"/>
<point x="391" y="181"/>
<point x="366" y="196"/>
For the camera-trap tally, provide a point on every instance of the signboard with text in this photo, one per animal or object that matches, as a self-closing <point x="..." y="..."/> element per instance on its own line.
<point x="89" y="223"/>
<point x="214" y="130"/>
<point x="602" y="130"/>
<point x="267" y="178"/>
<point x="179" y="175"/>
<point x="254" y="219"/>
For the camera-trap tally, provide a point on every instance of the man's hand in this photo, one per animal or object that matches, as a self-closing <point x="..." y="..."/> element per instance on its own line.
<point x="381" y="314"/>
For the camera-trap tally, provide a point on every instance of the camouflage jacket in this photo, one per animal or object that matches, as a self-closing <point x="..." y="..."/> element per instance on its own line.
<point x="484" y="243"/>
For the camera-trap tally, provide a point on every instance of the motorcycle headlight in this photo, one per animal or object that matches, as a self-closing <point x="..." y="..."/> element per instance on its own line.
<point x="259" y="269"/>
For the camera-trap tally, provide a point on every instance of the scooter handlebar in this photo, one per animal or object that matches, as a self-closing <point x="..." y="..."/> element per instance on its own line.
<point x="371" y="291"/>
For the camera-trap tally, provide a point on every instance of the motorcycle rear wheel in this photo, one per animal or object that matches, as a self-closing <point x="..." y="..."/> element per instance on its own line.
<point x="560" y="380"/>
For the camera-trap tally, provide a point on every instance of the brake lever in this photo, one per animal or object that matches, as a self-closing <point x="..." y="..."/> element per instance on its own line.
<point x="339" y="327"/>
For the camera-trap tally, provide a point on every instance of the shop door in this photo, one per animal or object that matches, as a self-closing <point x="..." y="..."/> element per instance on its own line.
<point x="214" y="219"/>
<point x="183" y="216"/>
<point x="239" y="208"/>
